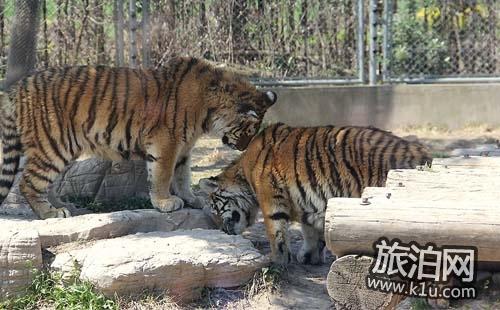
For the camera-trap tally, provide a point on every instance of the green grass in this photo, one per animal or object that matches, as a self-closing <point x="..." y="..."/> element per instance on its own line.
<point x="419" y="304"/>
<point x="267" y="279"/>
<point x="440" y="155"/>
<point x="132" y="203"/>
<point x="50" y="291"/>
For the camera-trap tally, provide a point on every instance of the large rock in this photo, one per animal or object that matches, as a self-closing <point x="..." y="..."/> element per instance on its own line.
<point x="99" y="180"/>
<point x="15" y="205"/>
<point x="54" y="232"/>
<point x="20" y="254"/>
<point x="180" y="262"/>
<point x="102" y="180"/>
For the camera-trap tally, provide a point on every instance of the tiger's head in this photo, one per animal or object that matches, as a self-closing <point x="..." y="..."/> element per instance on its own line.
<point x="236" y="108"/>
<point x="231" y="200"/>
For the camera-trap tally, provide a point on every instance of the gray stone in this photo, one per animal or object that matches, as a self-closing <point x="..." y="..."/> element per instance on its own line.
<point x="102" y="180"/>
<point x="479" y="150"/>
<point x="180" y="262"/>
<point x="96" y="179"/>
<point x="483" y="275"/>
<point x="110" y="225"/>
<point x="495" y="278"/>
<point x="15" y="205"/>
<point x="20" y="254"/>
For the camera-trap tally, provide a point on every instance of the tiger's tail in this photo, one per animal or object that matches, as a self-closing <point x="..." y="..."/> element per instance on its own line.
<point x="11" y="144"/>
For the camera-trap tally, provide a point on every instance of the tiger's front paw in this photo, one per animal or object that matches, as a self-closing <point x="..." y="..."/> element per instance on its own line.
<point x="173" y="203"/>
<point x="53" y="213"/>
<point x="196" y="202"/>
<point x="310" y="256"/>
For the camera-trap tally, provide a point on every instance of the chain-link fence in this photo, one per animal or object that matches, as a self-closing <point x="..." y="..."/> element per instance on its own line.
<point x="279" y="39"/>
<point x="276" y="41"/>
<point x="432" y="39"/>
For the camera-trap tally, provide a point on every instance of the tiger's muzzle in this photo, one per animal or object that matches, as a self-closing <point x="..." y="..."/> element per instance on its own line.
<point x="228" y="226"/>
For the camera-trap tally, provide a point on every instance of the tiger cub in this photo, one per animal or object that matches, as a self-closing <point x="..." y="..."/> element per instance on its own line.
<point x="292" y="172"/>
<point x="55" y="116"/>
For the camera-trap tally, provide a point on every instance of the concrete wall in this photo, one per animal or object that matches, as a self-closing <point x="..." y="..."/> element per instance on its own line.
<point x="390" y="106"/>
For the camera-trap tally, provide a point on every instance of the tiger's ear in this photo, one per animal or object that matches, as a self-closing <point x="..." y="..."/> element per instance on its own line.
<point x="209" y="185"/>
<point x="271" y="97"/>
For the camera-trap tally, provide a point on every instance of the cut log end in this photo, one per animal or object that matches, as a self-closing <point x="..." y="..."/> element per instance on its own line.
<point x="346" y="284"/>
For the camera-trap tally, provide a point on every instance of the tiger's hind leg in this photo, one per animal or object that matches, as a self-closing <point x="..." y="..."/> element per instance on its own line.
<point x="38" y="174"/>
<point x="58" y="203"/>
<point x="181" y="184"/>
<point x="276" y="220"/>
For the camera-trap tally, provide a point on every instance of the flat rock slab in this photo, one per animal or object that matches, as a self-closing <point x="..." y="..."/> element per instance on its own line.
<point x="54" y="232"/>
<point x="180" y="262"/>
<point x="20" y="253"/>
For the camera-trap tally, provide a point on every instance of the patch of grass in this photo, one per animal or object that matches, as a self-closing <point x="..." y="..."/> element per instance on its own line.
<point x="146" y="302"/>
<point x="440" y="155"/>
<point x="132" y="203"/>
<point x="48" y="290"/>
<point x="267" y="279"/>
<point x="420" y="304"/>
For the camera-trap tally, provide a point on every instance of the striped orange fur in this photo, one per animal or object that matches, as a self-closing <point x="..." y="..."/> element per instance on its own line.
<point x="290" y="173"/>
<point x="55" y="116"/>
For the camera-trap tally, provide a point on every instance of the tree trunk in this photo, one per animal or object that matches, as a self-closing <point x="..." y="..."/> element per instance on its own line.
<point x="2" y="34"/>
<point x="171" y="21"/>
<point x="86" y="14"/>
<point x="238" y="25"/>
<point x="59" y="35"/>
<point x="146" y="35"/>
<point x="132" y="34"/>
<point x="262" y="26"/>
<point x="492" y="38"/>
<point x="305" y="34"/>
<point x="22" y="54"/>
<point x="202" y="28"/>
<point x="118" y="22"/>
<point x="45" y="35"/>
<point x="99" y="31"/>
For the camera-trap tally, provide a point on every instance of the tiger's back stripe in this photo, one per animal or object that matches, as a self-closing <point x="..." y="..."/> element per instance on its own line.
<point x="57" y="106"/>
<point x="296" y="158"/>
<point x="189" y="67"/>
<point x="113" y="117"/>
<point x="46" y="125"/>
<point x="95" y="93"/>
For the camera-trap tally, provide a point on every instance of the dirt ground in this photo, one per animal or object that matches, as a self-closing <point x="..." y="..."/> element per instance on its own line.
<point x="302" y="286"/>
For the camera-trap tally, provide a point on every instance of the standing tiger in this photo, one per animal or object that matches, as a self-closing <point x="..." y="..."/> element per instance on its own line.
<point x="56" y="115"/>
<point x="292" y="172"/>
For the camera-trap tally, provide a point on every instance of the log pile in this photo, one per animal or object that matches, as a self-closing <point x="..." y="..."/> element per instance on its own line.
<point x="455" y="202"/>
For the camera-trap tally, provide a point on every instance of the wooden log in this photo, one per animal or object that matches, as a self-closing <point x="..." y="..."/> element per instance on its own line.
<point x="456" y="177"/>
<point x="352" y="227"/>
<point x="346" y="284"/>
<point x="432" y="195"/>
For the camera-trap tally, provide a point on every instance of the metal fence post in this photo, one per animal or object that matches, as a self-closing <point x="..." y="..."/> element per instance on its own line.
<point x="387" y="40"/>
<point x="361" y="41"/>
<point x="372" y="70"/>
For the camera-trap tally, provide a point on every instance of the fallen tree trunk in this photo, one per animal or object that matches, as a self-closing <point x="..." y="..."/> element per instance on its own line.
<point x="352" y="227"/>
<point x="456" y="202"/>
